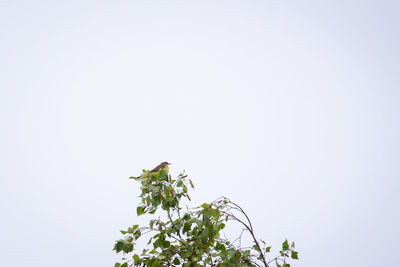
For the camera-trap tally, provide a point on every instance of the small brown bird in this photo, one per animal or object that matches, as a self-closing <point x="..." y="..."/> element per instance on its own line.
<point x="163" y="165"/>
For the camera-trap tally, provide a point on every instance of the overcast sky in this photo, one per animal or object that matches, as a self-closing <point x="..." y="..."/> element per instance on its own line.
<point x="289" y="108"/>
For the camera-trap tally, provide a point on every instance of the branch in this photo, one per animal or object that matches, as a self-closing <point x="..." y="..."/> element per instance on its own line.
<point x="248" y="226"/>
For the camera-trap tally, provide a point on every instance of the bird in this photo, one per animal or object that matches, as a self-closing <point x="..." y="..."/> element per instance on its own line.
<point x="145" y="174"/>
<point x="161" y="166"/>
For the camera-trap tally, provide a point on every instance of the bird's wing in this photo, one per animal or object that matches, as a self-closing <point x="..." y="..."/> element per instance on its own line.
<point x="157" y="168"/>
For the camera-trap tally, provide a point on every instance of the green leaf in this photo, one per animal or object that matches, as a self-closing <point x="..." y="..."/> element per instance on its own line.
<point x="203" y="237"/>
<point x="220" y="246"/>
<point x="117" y="264"/>
<point x="119" y="245"/>
<point x="162" y="174"/>
<point x="294" y="255"/>
<point x="205" y="205"/>
<point x="186" y="227"/>
<point x="137" y="234"/>
<point x="156" y="263"/>
<point x="231" y="253"/>
<point x="184" y="187"/>
<point x="213" y="212"/>
<point x="176" y="261"/>
<point x="158" y="243"/>
<point x="153" y="178"/>
<point x="285" y="245"/>
<point x="140" y="210"/>
<point x="267" y="249"/>
<point x="135" y="259"/>
<point x="237" y="255"/>
<point x="166" y="244"/>
<point x="154" y="188"/>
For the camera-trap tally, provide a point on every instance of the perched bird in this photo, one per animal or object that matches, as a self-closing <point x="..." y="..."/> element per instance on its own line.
<point x="162" y="166"/>
<point x="145" y="176"/>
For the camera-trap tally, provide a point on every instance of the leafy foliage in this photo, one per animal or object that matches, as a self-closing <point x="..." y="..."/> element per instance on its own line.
<point x="194" y="237"/>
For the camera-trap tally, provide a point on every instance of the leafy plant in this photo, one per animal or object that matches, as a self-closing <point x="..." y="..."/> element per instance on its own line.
<point x="191" y="237"/>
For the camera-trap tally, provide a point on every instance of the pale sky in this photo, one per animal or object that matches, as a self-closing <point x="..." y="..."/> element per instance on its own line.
<point x="289" y="108"/>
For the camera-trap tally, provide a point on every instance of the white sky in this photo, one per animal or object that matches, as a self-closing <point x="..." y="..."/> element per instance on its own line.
<point x="290" y="108"/>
